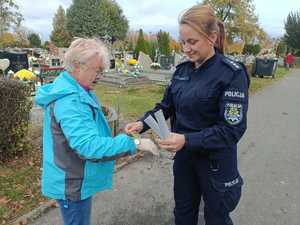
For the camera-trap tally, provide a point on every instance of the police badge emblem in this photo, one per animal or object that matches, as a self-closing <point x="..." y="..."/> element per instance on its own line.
<point x="233" y="113"/>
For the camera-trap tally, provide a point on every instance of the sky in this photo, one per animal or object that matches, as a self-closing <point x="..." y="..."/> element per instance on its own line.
<point x="153" y="15"/>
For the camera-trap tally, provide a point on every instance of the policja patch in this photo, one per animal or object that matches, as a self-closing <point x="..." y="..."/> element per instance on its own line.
<point x="233" y="113"/>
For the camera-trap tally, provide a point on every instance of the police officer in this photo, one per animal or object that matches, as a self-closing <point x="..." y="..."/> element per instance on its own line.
<point x="207" y="103"/>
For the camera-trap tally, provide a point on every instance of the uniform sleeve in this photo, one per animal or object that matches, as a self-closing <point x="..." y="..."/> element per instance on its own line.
<point x="80" y="129"/>
<point x="233" y="107"/>
<point x="166" y="105"/>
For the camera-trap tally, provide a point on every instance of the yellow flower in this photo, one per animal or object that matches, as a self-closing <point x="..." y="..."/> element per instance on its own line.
<point x="25" y="75"/>
<point x="132" y="62"/>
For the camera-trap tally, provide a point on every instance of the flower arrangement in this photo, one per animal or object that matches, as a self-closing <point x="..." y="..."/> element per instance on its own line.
<point x="155" y="66"/>
<point x="32" y="60"/>
<point x="25" y="75"/>
<point x="132" y="62"/>
<point x="246" y="59"/>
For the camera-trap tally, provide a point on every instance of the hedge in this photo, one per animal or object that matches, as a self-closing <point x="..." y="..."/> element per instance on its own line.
<point x="15" y="107"/>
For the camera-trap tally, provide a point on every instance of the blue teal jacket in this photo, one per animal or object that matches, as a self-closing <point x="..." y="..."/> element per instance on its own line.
<point x="78" y="147"/>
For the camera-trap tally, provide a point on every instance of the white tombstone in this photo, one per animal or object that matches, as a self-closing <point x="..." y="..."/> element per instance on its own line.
<point x="4" y="64"/>
<point x="128" y="56"/>
<point x="61" y="53"/>
<point x="281" y="62"/>
<point x="145" y="61"/>
<point x="177" y="59"/>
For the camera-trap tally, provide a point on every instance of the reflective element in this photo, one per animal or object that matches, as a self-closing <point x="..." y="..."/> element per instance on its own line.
<point x="160" y="127"/>
<point x="164" y="129"/>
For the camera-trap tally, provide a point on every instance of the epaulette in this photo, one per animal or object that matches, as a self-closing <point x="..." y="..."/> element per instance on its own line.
<point x="237" y="66"/>
<point x="182" y="63"/>
<point x="232" y="64"/>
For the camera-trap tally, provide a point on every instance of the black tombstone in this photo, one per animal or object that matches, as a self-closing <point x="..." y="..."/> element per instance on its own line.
<point x="18" y="60"/>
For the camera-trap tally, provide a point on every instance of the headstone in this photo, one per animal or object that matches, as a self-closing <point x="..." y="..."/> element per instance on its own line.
<point x="127" y="56"/>
<point x="177" y="59"/>
<point x="112" y="64"/>
<point x="55" y="62"/>
<point x="145" y="61"/>
<point x="166" y="62"/>
<point x="18" y="60"/>
<point x="281" y="62"/>
<point x="4" y="64"/>
<point x="124" y="80"/>
<point x="61" y="53"/>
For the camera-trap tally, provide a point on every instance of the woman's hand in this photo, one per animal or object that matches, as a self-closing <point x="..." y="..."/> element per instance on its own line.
<point x="133" y="128"/>
<point x="172" y="144"/>
<point x="147" y="145"/>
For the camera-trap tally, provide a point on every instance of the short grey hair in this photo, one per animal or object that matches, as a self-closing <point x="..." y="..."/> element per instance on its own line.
<point x="82" y="50"/>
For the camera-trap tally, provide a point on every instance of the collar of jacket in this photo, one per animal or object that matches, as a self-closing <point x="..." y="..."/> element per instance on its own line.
<point x="85" y="96"/>
<point x="208" y="62"/>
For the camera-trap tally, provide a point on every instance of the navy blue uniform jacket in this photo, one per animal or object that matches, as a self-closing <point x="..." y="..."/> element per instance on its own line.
<point x="209" y="106"/>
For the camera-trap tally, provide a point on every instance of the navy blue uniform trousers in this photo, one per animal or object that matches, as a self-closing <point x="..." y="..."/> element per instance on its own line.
<point x="193" y="180"/>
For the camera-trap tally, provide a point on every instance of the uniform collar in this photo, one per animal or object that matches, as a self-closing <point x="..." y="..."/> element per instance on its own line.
<point x="208" y="62"/>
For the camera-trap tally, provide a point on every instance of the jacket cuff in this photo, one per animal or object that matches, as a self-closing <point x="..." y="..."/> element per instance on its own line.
<point x="193" y="141"/>
<point x="145" y="126"/>
<point x="133" y="148"/>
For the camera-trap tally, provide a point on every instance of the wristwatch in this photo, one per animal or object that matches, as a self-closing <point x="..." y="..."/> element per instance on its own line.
<point x="136" y="138"/>
<point x="137" y="141"/>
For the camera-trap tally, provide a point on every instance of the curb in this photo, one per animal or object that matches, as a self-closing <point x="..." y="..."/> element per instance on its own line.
<point x="42" y="209"/>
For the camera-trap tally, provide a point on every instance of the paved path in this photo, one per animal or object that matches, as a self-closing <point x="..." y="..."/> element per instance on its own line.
<point x="269" y="161"/>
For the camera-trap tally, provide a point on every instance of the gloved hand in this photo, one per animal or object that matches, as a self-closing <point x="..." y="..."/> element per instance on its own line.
<point x="174" y="143"/>
<point x="134" y="127"/>
<point x="147" y="145"/>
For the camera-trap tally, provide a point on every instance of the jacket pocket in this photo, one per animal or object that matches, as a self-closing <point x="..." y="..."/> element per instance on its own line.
<point x="229" y="192"/>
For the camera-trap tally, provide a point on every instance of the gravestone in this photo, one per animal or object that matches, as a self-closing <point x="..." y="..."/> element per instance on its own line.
<point x="177" y="59"/>
<point x="18" y="60"/>
<point x="4" y="64"/>
<point x="281" y="62"/>
<point x="127" y="57"/>
<point x="122" y="80"/>
<point x="55" y="62"/>
<point x="166" y="62"/>
<point x="145" y="61"/>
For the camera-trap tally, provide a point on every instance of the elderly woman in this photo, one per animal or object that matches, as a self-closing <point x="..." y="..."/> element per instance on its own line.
<point x="78" y="147"/>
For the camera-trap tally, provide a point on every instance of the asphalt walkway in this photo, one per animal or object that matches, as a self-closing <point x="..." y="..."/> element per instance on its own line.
<point x="269" y="161"/>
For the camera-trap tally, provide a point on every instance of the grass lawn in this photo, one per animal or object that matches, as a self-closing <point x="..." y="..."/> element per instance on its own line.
<point x="20" y="182"/>
<point x="133" y="101"/>
<point x="19" y="179"/>
<point x="260" y="83"/>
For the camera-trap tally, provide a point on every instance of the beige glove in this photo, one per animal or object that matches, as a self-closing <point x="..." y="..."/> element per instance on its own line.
<point x="147" y="145"/>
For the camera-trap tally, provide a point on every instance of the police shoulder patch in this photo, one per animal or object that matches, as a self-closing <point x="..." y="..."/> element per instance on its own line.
<point x="233" y="113"/>
<point x="232" y="93"/>
<point x="232" y="64"/>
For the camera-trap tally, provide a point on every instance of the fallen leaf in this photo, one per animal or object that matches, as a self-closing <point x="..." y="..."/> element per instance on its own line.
<point x="4" y="201"/>
<point x="21" y="222"/>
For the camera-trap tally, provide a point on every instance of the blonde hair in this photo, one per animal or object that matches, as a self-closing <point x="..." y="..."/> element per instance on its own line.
<point x="82" y="50"/>
<point x="203" y="19"/>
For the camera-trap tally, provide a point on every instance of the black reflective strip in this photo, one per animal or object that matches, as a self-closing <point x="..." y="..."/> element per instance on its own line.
<point x="67" y="160"/>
